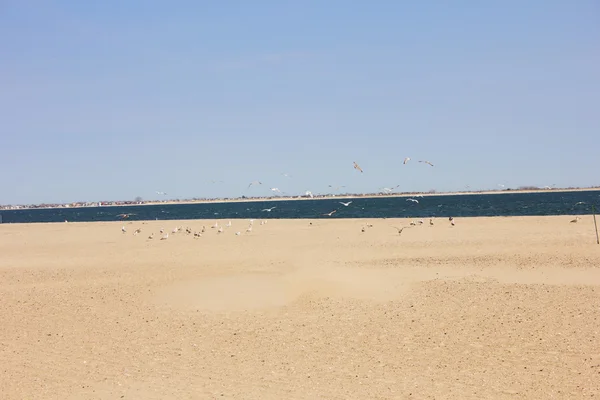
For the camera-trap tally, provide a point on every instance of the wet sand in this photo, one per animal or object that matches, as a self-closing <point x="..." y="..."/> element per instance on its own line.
<point x="499" y="308"/>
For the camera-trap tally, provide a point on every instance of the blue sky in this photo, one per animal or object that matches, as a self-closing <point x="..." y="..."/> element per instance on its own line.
<point x="111" y="100"/>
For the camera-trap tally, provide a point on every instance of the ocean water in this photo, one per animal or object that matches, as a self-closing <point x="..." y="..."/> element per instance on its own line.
<point x="506" y="204"/>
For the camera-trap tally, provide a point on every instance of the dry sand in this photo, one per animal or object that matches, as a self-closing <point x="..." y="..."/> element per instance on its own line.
<point x="500" y="308"/>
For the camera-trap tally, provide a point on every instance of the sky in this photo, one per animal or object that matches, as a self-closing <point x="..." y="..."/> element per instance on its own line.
<point x="112" y="100"/>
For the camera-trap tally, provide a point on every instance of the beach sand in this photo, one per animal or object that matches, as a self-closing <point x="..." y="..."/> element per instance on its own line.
<point x="500" y="308"/>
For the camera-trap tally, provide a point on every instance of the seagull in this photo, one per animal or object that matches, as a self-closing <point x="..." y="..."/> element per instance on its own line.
<point x="413" y="200"/>
<point x="400" y="229"/>
<point x="125" y="216"/>
<point x="269" y="209"/>
<point x="575" y="220"/>
<point x="345" y="204"/>
<point x="286" y="175"/>
<point x="276" y="190"/>
<point x="309" y="193"/>
<point x="254" y="183"/>
<point x="165" y="237"/>
<point x="220" y="230"/>
<point x="228" y="224"/>
<point x="357" y="167"/>
<point x="237" y="233"/>
<point x="249" y="229"/>
<point x="151" y="236"/>
<point x="216" y="225"/>
<point x="137" y="231"/>
<point x="331" y="213"/>
<point x="426" y="162"/>
<point x="123" y="229"/>
<point x="407" y="159"/>
<point x="161" y="193"/>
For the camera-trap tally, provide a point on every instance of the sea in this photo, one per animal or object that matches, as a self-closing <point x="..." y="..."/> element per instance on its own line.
<point x="461" y="205"/>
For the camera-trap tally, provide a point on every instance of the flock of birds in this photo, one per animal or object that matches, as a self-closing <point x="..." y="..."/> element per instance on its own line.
<point x="308" y="192"/>
<point x="219" y="229"/>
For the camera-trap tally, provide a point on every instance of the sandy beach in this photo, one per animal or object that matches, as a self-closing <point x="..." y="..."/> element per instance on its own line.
<point x="491" y="308"/>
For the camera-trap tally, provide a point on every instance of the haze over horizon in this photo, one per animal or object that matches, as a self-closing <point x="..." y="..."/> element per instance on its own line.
<point x="109" y="101"/>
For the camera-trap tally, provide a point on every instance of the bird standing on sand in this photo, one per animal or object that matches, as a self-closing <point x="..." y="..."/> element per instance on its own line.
<point x="123" y="229"/>
<point x="357" y="167"/>
<point x="574" y="221"/>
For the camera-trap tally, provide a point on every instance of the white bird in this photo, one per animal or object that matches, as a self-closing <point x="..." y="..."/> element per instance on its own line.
<point x="413" y="200"/>
<point x="123" y="229"/>
<point x="575" y="220"/>
<point x="249" y="229"/>
<point x="269" y="209"/>
<point x="228" y="224"/>
<point x="357" y="167"/>
<point x="220" y="230"/>
<point x="400" y="229"/>
<point x="137" y="231"/>
<point x="426" y="162"/>
<point x="309" y="193"/>
<point x="162" y="230"/>
<point x="151" y="236"/>
<point x="345" y="204"/>
<point x="407" y="159"/>
<point x="276" y="190"/>
<point x="165" y="237"/>
<point x="254" y="183"/>
<point x="331" y="213"/>
<point x="161" y="193"/>
<point x="216" y="225"/>
<point x="237" y="233"/>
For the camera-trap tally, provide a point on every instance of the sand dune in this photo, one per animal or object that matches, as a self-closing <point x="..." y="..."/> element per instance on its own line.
<point x="499" y="308"/>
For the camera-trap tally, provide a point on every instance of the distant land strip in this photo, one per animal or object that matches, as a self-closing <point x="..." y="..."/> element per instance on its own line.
<point x="139" y="202"/>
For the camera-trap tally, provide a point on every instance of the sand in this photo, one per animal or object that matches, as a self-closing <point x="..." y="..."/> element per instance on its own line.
<point x="500" y="308"/>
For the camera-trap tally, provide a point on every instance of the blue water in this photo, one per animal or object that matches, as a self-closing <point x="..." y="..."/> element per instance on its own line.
<point x="513" y="204"/>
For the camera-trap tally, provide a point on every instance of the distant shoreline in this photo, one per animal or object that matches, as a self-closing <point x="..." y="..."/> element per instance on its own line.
<point x="325" y="197"/>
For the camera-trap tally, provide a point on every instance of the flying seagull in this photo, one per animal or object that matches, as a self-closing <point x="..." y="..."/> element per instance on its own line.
<point x="331" y="213"/>
<point x="275" y="190"/>
<point x="345" y="204"/>
<point x="426" y="162"/>
<point x="400" y="229"/>
<point x="407" y="159"/>
<point x="254" y="183"/>
<point x="413" y="200"/>
<point x="308" y="193"/>
<point x="161" y="193"/>
<point x="269" y="209"/>
<point x="357" y="167"/>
